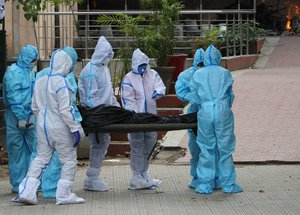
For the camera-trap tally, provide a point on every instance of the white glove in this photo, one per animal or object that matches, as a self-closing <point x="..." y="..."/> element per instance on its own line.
<point x="22" y="124"/>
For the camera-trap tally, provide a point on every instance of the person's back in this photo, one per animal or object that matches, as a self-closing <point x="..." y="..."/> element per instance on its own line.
<point x="212" y="91"/>
<point x="47" y="100"/>
<point x="52" y="172"/>
<point x="213" y="81"/>
<point x="57" y="130"/>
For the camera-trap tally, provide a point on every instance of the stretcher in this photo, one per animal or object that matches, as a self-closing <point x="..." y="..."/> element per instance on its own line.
<point x="133" y="128"/>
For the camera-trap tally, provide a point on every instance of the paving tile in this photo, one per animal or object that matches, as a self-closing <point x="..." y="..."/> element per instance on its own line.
<point x="267" y="108"/>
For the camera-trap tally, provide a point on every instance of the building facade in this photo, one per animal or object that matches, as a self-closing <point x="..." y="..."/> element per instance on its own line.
<point x="20" y="31"/>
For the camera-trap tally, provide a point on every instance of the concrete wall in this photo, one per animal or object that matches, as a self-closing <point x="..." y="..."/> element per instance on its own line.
<point x="21" y="32"/>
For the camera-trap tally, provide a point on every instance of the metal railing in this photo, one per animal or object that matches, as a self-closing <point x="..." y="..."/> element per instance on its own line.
<point x="57" y="29"/>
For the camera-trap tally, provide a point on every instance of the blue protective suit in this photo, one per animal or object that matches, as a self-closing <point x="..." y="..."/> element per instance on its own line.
<point x="183" y="92"/>
<point x="212" y="91"/>
<point x="53" y="171"/>
<point x="18" y="84"/>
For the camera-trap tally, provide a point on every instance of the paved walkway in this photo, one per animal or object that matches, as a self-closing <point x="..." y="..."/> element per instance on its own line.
<point x="267" y="190"/>
<point x="267" y="106"/>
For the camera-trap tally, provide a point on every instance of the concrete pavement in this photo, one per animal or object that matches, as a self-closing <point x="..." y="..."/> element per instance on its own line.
<point x="267" y="190"/>
<point x="267" y="106"/>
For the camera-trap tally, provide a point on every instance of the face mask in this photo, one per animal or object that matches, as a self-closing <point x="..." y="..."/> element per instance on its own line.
<point x="142" y="69"/>
<point x="107" y="58"/>
<point x="31" y="66"/>
<point x="105" y="61"/>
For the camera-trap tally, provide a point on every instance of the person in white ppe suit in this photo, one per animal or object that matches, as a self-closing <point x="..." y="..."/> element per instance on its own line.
<point x="57" y="130"/>
<point x="95" y="88"/>
<point x="140" y="89"/>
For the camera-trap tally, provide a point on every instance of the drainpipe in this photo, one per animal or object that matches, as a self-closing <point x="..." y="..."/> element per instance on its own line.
<point x="16" y="29"/>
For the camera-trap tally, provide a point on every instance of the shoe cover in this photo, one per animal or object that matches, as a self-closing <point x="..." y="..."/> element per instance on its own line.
<point x="15" y="199"/>
<point x="71" y="199"/>
<point x="216" y="184"/>
<point x="193" y="183"/>
<point x="232" y="189"/>
<point x="27" y="191"/>
<point x="64" y="193"/>
<point x="204" y="188"/>
<point x="15" y="190"/>
<point x="95" y="184"/>
<point x="153" y="181"/>
<point x="138" y="182"/>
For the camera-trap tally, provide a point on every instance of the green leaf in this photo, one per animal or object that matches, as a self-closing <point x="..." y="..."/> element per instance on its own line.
<point x="27" y="16"/>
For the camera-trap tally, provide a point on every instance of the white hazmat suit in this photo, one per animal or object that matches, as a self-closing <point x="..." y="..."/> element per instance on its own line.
<point x="52" y="105"/>
<point x="95" y="88"/>
<point x="140" y="90"/>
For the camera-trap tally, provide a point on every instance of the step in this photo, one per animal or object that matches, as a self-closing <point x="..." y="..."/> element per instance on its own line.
<point x="170" y="101"/>
<point x="121" y="137"/>
<point x="114" y="148"/>
<point x="118" y="148"/>
<point x="169" y="111"/>
<point x="172" y="88"/>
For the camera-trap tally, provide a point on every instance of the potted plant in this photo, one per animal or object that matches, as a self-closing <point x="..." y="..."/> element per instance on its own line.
<point x="156" y="38"/>
<point x="129" y="26"/>
<point x="212" y="36"/>
<point x="250" y="29"/>
<point x="159" y="39"/>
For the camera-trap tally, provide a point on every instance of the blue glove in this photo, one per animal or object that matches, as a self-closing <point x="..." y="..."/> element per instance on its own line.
<point x="77" y="138"/>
